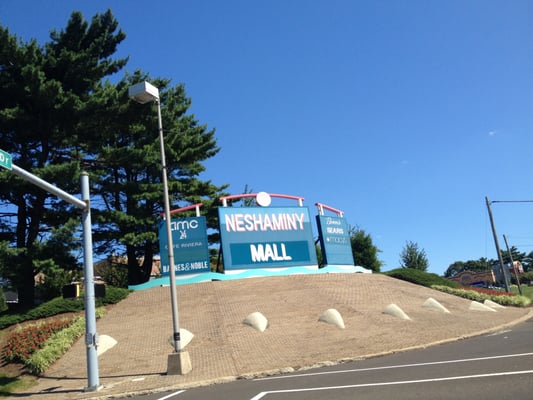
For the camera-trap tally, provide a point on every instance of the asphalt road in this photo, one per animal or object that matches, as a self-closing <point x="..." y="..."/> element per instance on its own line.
<point x="496" y="366"/>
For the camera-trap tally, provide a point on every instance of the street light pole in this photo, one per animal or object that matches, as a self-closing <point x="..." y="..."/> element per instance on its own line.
<point x="178" y="362"/>
<point x="173" y="296"/>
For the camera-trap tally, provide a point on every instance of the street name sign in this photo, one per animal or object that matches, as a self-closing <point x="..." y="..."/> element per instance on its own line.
<point x="6" y="160"/>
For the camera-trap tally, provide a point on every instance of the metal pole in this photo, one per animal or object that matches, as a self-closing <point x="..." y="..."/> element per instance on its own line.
<point x="173" y="296"/>
<point x="91" y="336"/>
<point x="497" y="244"/>
<point x="48" y="187"/>
<point x="512" y="263"/>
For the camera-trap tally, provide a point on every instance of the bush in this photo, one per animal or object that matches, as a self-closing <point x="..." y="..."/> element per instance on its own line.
<point x="113" y="295"/>
<point x="3" y="302"/>
<point x="525" y="278"/>
<point x="113" y="271"/>
<point x="420" y="277"/>
<point x="38" y="346"/>
<point x="60" y="306"/>
<point x="476" y="295"/>
<point x="25" y="341"/>
<point x="116" y="275"/>
<point x="51" y="286"/>
<point x="57" y="345"/>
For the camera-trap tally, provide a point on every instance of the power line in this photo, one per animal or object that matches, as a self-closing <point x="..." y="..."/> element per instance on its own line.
<point x="512" y="201"/>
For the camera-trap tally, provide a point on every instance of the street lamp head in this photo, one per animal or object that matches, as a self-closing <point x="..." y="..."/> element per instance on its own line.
<point x="143" y="92"/>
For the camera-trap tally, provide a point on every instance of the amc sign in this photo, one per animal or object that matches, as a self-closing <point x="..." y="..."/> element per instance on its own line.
<point x="191" y="252"/>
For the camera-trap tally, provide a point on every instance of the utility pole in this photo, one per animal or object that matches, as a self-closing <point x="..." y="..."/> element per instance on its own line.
<point x="497" y="244"/>
<point x="512" y="263"/>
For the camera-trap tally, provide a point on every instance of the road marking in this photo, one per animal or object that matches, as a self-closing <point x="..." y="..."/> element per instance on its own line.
<point x="171" y="395"/>
<point x="397" y="366"/>
<point x="499" y="333"/>
<point x="362" y="385"/>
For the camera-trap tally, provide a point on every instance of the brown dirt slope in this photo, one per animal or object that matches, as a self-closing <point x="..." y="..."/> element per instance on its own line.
<point x="224" y="348"/>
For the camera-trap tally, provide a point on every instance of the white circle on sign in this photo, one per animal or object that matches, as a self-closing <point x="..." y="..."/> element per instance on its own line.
<point x="263" y="199"/>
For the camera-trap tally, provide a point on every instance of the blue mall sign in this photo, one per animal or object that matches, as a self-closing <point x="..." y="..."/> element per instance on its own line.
<point x="191" y="252"/>
<point x="266" y="237"/>
<point x="334" y="240"/>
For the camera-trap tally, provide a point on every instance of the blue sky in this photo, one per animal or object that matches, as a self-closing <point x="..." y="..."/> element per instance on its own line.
<point x="403" y="114"/>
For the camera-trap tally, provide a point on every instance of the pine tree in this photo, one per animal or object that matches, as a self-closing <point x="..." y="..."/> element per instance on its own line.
<point x="413" y="257"/>
<point x="45" y="91"/>
<point x="127" y="170"/>
<point x="364" y="251"/>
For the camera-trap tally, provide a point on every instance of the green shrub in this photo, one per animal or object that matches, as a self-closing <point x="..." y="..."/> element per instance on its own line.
<point x="503" y="299"/>
<point x="57" y="345"/>
<point x="420" y="277"/>
<point x="55" y="306"/>
<point x="113" y="295"/>
<point x="25" y="341"/>
<point x="525" y="278"/>
<point x="60" y="305"/>
<point x="116" y="275"/>
<point x="3" y="303"/>
<point x="11" y="319"/>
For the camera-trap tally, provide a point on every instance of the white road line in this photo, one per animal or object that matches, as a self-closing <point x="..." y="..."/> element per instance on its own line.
<point x="451" y="378"/>
<point x="397" y="366"/>
<point x="500" y="332"/>
<point x="171" y="395"/>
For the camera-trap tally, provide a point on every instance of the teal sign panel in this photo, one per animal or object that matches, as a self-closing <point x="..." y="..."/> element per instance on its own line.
<point x="189" y="239"/>
<point x="6" y="160"/>
<point x="266" y="237"/>
<point x="334" y="240"/>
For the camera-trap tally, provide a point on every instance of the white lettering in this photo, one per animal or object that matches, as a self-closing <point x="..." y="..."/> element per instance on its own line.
<point x="300" y="219"/>
<point x="336" y="239"/>
<point x="235" y="223"/>
<point x="269" y="252"/>
<point x="338" y="231"/>
<point x="264" y="222"/>
<point x="277" y="223"/>
<point x="189" y="266"/>
<point x="331" y="221"/>
<point x="190" y="244"/>
<point x="178" y="225"/>
<point x="258" y="253"/>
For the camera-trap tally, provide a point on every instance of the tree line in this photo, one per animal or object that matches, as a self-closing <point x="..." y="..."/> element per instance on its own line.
<point x="60" y="114"/>
<point x="486" y="264"/>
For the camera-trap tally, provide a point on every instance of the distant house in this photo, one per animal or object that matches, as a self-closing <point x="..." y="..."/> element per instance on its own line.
<point x="509" y="269"/>
<point x="122" y="260"/>
<point x="471" y="278"/>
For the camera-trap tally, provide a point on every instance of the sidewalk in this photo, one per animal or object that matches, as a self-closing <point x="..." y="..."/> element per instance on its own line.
<point x="224" y="348"/>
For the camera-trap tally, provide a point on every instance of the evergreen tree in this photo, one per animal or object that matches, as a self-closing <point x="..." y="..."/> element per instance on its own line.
<point x="58" y="115"/>
<point x="126" y="163"/>
<point x="364" y="251"/>
<point x="3" y="302"/>
<point x="480" y="265"/>
<point x="413" y="257"/>
<point x="43" y="107"/>
<point x="515" y="254"/>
